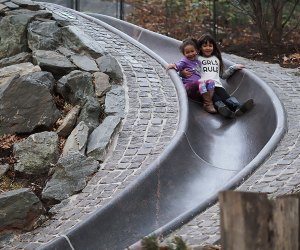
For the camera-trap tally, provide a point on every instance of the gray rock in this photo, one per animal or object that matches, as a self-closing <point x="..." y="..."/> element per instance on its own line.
<point x="61" y="19"/>
<point x="115" y="101"/>
<point x="70" y="176"/>
<point x="53" y="62"/>
<point x="3" y="169"/>
<point x="101" y="82"/>
<point x="90" y="113"/>
<point x="27" y="105"/>
<point x="17" y="70"/>
<point x="43" y="35"/>
<point x="19" y="209"/>
<point x="22" y="57"/>
<point x="13" y="30"/>
<point x="36" y="154"/>
<point x="3" y="8"/>
<point x="77" y="140"/>
<point x="11" y="5"/>
<point x="33" y="14"/>
<point x="69" y="122"/>
<point x="65" y="51"/>
<point x="76" y="40"/>
<point x="31" y="5"/>
<point x="76" y="86"/>
<point x="84" y="62"/>
<point x="110" y="66"/>
<point x="100" y="139"/>
<point x="19" y="112"/>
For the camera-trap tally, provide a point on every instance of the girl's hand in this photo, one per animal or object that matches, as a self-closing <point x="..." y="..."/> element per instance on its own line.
<point x="239" y="66"/>
<point x="171" y="66"/>
<point x="186" y="73"/>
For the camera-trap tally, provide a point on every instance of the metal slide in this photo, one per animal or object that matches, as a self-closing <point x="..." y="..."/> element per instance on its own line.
<point x="208" y="154"/>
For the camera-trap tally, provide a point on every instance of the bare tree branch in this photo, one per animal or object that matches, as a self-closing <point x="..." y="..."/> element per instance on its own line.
<point x="291" y="13"/>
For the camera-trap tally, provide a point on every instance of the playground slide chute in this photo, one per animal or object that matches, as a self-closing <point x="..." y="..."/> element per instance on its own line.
<point x="207" y="155"/>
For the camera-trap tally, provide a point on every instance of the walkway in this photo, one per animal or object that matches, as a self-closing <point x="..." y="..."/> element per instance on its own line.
<point x="150" y="124"/>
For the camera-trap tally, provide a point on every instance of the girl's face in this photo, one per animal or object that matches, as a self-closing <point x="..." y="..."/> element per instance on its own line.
<point x="207" y="49"/>
<point x="190" y="52"/>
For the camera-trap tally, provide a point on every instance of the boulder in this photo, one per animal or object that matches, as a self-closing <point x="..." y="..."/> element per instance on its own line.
<point x="76" y="40"/>
<point x="102" y="84"/>
<point x="84" y="63"/>
<point x="90" y="113"/>
<point x="22" y="57"/>
<point x="31" y="5"/>
<point x="13" y="35"/>
<point x="76" y="86"/>
<point x="53" y="62"/>
<point x="110" y="65"/>
<point x="37" y="153"/>
<point x="20" y="69"/>
<point x="19" y="209"/>
<point x="77" y="140"/>
<point x="100" y="139"/>
<point x="19" y="112"/>
<point x="71" y="175"/>
<point x="44" y="35"/>
<point x="115" y="101"/>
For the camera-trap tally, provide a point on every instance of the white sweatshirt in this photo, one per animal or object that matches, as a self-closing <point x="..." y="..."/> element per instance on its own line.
<point x="210" y="70"/>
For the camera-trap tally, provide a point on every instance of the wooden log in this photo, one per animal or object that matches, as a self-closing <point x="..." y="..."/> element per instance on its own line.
<point x="245" y="220"/>
<point x="286" y="223"/>
<point x="250" y="221"/>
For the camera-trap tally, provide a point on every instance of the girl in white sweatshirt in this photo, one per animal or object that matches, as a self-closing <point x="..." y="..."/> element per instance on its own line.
<point x="212" y="69"/>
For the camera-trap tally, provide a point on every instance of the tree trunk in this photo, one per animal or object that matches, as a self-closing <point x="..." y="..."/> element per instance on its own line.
<point x="260" y="21"/>
<point x="277" y="29"/>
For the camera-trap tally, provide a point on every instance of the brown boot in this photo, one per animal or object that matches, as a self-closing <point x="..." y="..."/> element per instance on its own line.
<point x="211" y="94"/>
<point x="207" y="102"/>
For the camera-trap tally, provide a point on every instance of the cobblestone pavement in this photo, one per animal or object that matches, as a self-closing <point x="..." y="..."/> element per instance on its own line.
<point x="151" y="122"/>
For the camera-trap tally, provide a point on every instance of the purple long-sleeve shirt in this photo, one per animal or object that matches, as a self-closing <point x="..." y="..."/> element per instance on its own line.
<point x="192" y="65"/>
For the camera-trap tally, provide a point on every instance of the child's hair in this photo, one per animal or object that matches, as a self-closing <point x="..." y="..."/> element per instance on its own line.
<point x="207" y="38"/>
<point x="186" y="42"/>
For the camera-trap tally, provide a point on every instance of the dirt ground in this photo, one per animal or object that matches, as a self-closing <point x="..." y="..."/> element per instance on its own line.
<point x="287" y="55"/>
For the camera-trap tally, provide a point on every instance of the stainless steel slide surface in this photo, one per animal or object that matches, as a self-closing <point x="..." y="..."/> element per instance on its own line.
<point x="207" y="155"/>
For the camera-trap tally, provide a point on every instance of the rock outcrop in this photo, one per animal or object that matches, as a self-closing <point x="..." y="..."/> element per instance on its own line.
<point x="47" y="65"/>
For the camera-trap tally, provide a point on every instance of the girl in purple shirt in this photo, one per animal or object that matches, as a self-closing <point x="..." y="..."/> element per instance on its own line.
<point x="192" y="83"/>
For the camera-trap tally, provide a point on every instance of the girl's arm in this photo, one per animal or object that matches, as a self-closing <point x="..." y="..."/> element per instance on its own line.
<point x="177" y="66"/>
<point x="231" y="70"/>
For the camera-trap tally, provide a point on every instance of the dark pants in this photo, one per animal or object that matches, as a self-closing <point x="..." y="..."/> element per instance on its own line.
<point x="220" y="95"/>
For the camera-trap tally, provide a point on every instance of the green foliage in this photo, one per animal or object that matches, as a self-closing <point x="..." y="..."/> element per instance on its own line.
<point x="152" y="243"/>
<point x="178" y="244"/>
